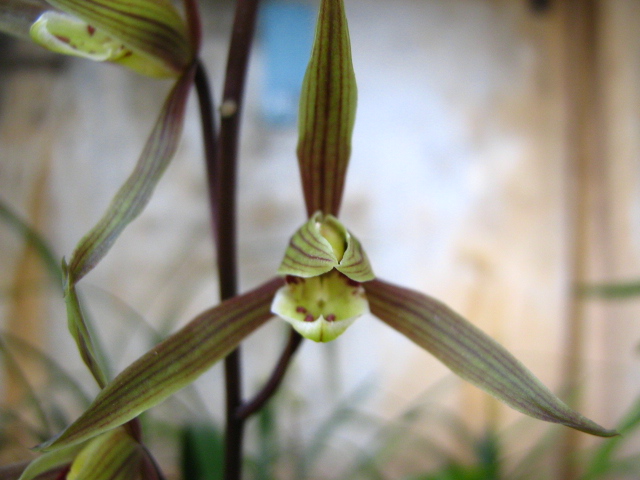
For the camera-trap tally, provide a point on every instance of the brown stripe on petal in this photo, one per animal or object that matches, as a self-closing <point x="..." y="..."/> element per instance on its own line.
<point x="471" y="354"/>
<point x="173" y="364"/>
<point x="327" y="112"/>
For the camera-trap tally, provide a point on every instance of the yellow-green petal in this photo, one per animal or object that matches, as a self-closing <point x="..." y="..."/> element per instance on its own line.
<point x="171" y="365"/>
<point x="327" y="112"/>
<point x="471" y="354"/>
<point x="151" y="34"/>
<point x="321" y="245"/>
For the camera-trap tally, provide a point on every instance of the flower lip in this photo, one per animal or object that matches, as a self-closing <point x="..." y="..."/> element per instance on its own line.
<point x="320" y="308"/>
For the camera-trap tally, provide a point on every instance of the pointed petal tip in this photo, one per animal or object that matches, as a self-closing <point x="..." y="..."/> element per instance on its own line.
<point x="472" y="355"/>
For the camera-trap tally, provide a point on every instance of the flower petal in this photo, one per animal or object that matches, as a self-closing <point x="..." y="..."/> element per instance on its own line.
<point x="327" y="112"/>
<point x="134" y="195"/>
<point x="112" y="456"/>
<point x="471" y="354"/>
<point x="152" y="28"/>
<point x="321" y="245"/>
<point x="172" y="365"/>
<point x="50" y="461"/>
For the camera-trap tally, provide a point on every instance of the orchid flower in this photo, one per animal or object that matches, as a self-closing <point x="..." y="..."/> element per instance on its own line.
<point x="325" y="282"/>
<point x="152" y="38"/>
<point x="149" y="37"/>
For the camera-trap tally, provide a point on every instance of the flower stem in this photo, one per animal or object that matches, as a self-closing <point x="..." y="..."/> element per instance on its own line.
<point x="230" y="113"/>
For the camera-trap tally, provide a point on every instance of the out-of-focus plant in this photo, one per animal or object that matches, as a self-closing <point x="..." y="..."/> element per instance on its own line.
<point x="325" y="281"/>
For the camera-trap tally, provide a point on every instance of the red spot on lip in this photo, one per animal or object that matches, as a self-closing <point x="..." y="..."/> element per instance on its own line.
<point x="301" y="309"/>
<point x="331" y="317"/>
<point x="91" y="30"/>
<point x="66" y="40"/>
<point x="309" y="318"/>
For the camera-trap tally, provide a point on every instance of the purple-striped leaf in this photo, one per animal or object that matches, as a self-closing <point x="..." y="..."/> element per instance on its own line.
<point x="135" y="193"/>
<point x="172" y="365"/>
<point x="327" y="112"/>
<point x="471" y="354"/>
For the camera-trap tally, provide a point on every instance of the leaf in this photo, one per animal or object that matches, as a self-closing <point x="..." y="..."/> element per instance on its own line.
<point x="471" y="354"/>
<point x="321" y="245"/>
<point x="50" y="461"/>
<point x="134" y="195"/>
<point x="151" y="28"/>
<point x="327" y="112"/>
<point x="112" y="456"/>
<point x="612" y="291"/>
<point x="30" y="235"/>
<point x="172" y="365"/>
<point x="17" y="16"/>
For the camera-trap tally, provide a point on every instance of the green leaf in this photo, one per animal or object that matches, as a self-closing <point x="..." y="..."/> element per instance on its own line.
<point x="172" y="365"/>
<point x="50" y="461"/>
<point x="112" y="456"/>
<point x="327" y="112"/>
<point x="321" y="245"/>
<point x="612" y="291"/>
<point x="471" y="354"/>
<point x="17" y="16"/>
<point x="151" y="29"/>
<point x="30" y="235"/>
<point x="134" y="195"/>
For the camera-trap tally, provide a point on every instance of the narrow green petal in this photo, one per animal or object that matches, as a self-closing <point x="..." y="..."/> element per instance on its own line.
<point x="80" y="333"/>
<point x="134" y="195"/>
<point x="172" y="365"/>
<point x="471" y="354"/>
<point x="327" y="112"/>
<point x="152" y="28"/>
<point x="17" y="16"/>
<point x="50" y="461"/>
<point x="321" y="245"/>
<point x="112" y="456"/>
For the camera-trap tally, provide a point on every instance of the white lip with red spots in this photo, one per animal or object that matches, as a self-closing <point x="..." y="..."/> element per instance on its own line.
<point x="320" y="308"/>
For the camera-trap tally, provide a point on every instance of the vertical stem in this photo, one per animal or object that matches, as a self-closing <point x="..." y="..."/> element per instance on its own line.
<point x="231" y="108"/>
<point x="585" y="174"/>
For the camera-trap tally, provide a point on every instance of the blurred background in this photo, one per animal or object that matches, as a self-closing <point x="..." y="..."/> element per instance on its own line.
<point x="495" y="166"/>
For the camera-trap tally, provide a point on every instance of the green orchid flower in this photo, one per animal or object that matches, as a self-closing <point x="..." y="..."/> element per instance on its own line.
<point x="325" y="282"/>
<point x="152" y="38"/>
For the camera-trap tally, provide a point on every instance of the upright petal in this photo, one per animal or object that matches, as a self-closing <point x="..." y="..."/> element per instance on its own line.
<point x="327" y="112"/>
<point x="172" y="365"/>
<point x="471" y="354"/>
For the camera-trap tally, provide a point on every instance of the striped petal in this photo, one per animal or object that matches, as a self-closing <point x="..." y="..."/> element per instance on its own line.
<point x="321" y="245"/>
<point x="148" y="36"/>
<point x="112" y="456"/>
<point x="135" y="193"/>
<point x="171" y="365"/>
<point x="471" y="354"/>
<point x="327" y="112"/>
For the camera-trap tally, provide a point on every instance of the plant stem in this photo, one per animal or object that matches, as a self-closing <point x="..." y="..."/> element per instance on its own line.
<point x="253" y="406"/>
<point x="231" y="109"/>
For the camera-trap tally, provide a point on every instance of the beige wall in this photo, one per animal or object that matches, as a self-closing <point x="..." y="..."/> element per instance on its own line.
<point x="460" y="186"/>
